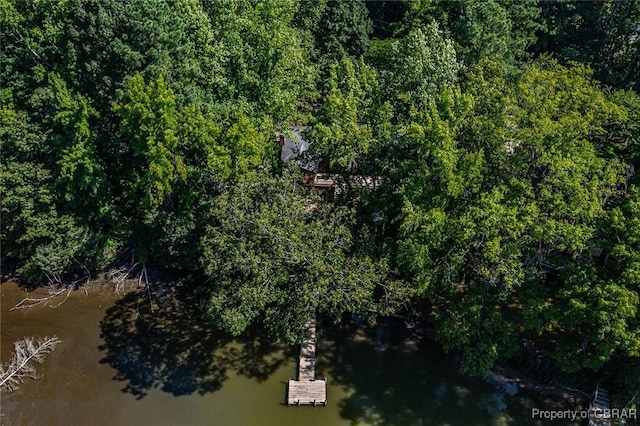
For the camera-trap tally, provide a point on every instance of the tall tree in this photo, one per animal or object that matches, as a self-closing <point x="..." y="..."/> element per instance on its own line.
<point x="422" y="61"/>
<point x="46" y="236"/>
<point x="264" y="59"/>
<point x="31" y="35"/>
<point x="81" y="178"/>
<point x="480" y="29"/>
<point x="339" y="28"/>
<point x="274" y="253"/>
<point x="170" y="147"/>
<point x="604" y="34"/>
<point x="26" y="185"/>
<point x="150" y="122"/>
<point x="480" y="239"/>
<point x="354" y="116"/>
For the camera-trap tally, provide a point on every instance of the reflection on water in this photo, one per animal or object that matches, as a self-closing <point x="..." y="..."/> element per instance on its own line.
<point x="406" y="381"/>
<point x="175" y="350"/>
<point x="120" y="363"/>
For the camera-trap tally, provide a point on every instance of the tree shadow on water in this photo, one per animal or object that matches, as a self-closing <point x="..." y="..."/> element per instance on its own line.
<point x="174" y="349"/>
<point x="401" y="379"/>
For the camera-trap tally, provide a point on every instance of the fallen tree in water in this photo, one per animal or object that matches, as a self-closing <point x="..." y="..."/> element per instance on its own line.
<point x="27" y="352"/>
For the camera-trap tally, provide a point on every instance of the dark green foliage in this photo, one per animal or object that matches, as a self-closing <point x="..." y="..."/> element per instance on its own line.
<point x="485" y="31"/>
<point x="489" y="193"/>
<point x="31" y="35"/>
<point x="385" y="14"/>
<point x="273" y="252"/>
<point x="473" y="236"/>
<point x="26" y="184"/>
<point x="338" y="28"/>
<point x="622" y="137"/>
<point x="603" y="34"/>
<point x="481" y="29"/>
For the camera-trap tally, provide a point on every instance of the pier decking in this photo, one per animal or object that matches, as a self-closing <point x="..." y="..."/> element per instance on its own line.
<point x="599" y="408"/>
<point x="307" y="390"/>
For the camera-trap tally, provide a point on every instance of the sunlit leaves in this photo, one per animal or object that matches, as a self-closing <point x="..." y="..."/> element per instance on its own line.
<point x="348" y="121"/>
<point x="245" y="144"/>
<point x="81" y="174"/>
<point x="504" y="233"/>
<point x="262" y="57"/>
<point x="421" y="62"/>
<point x="166" y="137"/>
<point x="150" y="120"/>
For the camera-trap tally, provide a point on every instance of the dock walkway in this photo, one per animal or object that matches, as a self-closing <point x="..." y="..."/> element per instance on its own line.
<point x="307" y="390"/>
<point x="599" y="408"/>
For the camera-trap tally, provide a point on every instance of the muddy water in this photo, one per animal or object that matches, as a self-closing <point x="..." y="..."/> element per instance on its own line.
<point x="122" y="363"/>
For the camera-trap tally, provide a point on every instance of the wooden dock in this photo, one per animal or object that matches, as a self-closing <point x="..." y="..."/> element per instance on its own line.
<point x="307" y="390"/>
<point x="599" y="409"/>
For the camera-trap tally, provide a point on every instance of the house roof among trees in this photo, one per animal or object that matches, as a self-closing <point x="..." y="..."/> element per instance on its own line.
<point x="294" y="146"/>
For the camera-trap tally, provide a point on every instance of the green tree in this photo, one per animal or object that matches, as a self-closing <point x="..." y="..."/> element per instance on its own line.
<point x="174" y="41"/>
<point x="602" y="34"/>
<point x="479" y="239"/>
<point x="503" y="30"/>
<point x="173" y="151"/>
<point x="264" y="59"/>
<point x="338" y="28"/>
<point x="443" y="226"/>
<point x="80" y="176"/>
<point x="246" y="144"/>
<point x="354" y="116"/>
<point x="150" y="121"/>
<point x="274" y="253"/>
<point x="31" y="35"/>
<point x="414" y="67"/>
<point x="48" y="243"/>
<point x="485" y="31"/>
<point x="591" y="311"/>
<point x="421" y="62"/>
<point x="26" y="184"/>
<point x="45" y="206"/>
<point x="622" y="137"/>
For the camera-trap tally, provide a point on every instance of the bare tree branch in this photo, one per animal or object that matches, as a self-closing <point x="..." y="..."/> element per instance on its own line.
<point x="27" y="351"/>
<point x="120" y="275"/>
<point x="29" y="302"/>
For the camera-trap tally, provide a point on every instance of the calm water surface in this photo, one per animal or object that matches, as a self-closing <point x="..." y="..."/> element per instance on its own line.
<point x="120" y="363"/>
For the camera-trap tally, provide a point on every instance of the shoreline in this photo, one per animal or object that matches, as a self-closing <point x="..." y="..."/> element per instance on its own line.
<point x="508" y="379"/>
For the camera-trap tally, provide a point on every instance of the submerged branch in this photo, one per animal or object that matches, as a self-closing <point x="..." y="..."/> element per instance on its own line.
<point x="29" y="302"/>
<point x="27" y="351"/>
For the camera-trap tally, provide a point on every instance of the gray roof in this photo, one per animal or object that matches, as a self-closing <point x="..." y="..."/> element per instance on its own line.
<point x="295" y="146"/>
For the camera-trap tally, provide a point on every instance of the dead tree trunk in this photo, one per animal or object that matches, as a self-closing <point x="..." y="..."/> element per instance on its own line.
<point x="27" y="352"/>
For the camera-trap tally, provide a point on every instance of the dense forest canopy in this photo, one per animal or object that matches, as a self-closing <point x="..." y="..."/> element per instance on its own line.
<point x="484" y="155"/>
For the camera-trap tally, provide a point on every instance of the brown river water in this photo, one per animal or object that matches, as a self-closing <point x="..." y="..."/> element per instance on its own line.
<point x="120" y="363"/>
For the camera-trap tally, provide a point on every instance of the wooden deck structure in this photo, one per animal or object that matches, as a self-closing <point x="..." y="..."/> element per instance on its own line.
<point x="307" y="390"/>
<point x="598" y="408"/>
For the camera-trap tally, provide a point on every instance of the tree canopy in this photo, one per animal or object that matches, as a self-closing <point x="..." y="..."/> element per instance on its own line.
<point x="483" y="157"/>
